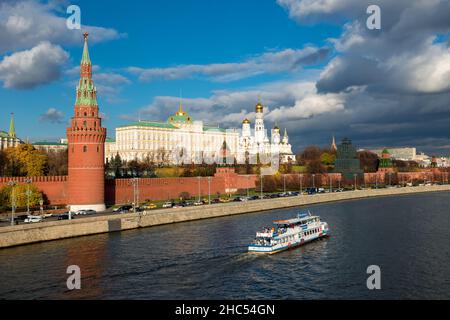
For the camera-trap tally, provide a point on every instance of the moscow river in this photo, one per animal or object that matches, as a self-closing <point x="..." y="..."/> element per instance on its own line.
<point x="408" y="237"/>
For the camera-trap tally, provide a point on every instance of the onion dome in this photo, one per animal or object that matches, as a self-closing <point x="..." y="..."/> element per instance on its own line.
<point x="276" y="128"/>
<point x="259" y="108"/>
<point x="246" y="121"/>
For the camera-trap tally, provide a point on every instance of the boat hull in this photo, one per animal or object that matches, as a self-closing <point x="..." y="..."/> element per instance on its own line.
<point x="276" y="249"/>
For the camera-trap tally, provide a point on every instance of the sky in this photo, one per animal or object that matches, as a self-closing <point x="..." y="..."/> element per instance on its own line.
<point x="316" y="66"/>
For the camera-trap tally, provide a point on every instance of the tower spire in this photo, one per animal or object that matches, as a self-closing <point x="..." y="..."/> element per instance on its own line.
<point x="85" y="58"/>
<point x="12" y="129"/>
<point x="180" y="107"/>
<point x="333" y="144"/>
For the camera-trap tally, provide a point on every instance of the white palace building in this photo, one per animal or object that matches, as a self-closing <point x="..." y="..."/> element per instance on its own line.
<point x="156" y="141"/>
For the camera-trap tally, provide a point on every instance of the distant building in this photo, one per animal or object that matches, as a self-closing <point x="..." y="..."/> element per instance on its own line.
<point x="257" y="141"/>
<point x="385" y="164"/>
<point x="51" y="146"/>
<point x="423" y="160"/>
<point x="404" y="154"/>
<point x="347" y="160"/>
<point x="333" y="146"/>
<point x="9" y="139"/>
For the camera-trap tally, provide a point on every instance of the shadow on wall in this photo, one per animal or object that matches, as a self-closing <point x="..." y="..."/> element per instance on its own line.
<point x="114" y="225"/>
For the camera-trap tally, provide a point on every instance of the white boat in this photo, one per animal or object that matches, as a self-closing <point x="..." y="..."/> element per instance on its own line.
<point x="289" y="234"/>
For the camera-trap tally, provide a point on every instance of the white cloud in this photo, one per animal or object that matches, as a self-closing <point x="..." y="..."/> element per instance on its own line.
<point x="52" y="115"/>
<point x="26" y="23"/>
<point x="288" y="60"/>
<point x="31" y="68"/>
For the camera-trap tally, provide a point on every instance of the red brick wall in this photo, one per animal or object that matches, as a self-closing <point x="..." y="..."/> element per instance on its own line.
<point x="53" y="188"/>
<point x="121" y="190"/>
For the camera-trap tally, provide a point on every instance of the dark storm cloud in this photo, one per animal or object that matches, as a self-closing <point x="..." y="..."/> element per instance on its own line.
<point x="395" y="81"/>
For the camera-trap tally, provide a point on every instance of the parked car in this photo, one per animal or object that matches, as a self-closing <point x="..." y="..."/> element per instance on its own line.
<point x="198" y="203"/>
<point x="123" y="209"/>
<point x="149" y="206"/>
<point x="20" y="219"/>
<point x="168" y="204"/>
<point x="65" y="216"/>
<point x="33" y="219"/>
<point x="85" y="212"/>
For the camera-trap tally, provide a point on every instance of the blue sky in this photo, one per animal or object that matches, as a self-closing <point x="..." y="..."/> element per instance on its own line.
<point x="299" y="55"/>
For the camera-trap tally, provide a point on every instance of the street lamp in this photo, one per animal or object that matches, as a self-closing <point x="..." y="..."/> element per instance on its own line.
<point x="314" y="182"/>
<point x="376" y="181"/>
<point x="261" y="196"/>
<point x="198" y="178"/>
<point x="331" y="186"/>
<point x="209" y="190"/>
<point x="28" y="181"/>
<point x="13" y="184"/>
<point x="355" y="175"/>
<point x="300" y="177"/>
<point x="390" y="173"/>
<point x="135" y="182"/>
<point x="284" y="183"/>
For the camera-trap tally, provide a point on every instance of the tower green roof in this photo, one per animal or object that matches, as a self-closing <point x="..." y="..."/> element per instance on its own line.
<point x="12" y="129"/>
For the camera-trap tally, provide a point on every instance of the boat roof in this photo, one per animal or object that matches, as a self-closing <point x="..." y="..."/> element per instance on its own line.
<point x="301" y="217"/>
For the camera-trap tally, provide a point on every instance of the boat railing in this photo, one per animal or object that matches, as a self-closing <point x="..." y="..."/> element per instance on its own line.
<point x="264" y="234"/>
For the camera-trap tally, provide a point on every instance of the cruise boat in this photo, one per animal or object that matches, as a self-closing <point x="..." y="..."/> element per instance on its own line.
<point x="289" y="234"/>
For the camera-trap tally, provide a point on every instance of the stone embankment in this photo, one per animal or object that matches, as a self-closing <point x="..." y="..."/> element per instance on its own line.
<point x="54" y="230"/>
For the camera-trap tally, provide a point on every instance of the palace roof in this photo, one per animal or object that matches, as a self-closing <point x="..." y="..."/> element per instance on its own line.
<point x="154" y="124"/>
<point x="4" y="134"/>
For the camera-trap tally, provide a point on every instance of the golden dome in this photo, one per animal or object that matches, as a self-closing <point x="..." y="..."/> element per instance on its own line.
<point x="246" y="121"/>
<point x="259" y="107"/>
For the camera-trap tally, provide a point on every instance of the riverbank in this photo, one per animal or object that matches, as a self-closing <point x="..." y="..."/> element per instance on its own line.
<point x="54" y="230"/>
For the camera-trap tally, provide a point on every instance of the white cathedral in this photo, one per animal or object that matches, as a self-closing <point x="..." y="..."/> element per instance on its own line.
<point x="155" y="139"/>
<point x="259" y="142"/>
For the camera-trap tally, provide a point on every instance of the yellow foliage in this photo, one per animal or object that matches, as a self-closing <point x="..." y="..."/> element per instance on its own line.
<point x="31" y="162"/>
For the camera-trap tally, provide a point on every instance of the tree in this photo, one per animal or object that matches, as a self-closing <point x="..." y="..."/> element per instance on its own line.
<point x="368" y="160"/>
<point x="20" y="195"/>
<point x="315" y="166"/>
<point x="25" y="160"/>
<point x="327" y="158"/>
<point x="57" y="163"/>
<point x="3" y="163"/>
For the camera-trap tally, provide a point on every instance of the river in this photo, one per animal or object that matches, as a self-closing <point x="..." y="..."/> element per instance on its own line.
<point x="406" y="236"/>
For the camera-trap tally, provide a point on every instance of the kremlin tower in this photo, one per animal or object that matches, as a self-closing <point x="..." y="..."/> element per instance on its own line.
<point x="86" y="144"/>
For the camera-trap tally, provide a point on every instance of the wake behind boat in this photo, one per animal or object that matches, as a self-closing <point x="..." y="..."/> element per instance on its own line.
<point x="289" y="233"/>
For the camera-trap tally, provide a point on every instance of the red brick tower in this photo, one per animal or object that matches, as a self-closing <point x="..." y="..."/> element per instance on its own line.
<point x="86" y="141"/>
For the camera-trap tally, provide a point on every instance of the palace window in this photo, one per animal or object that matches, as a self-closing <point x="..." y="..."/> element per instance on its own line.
<point x="84" y="148"/>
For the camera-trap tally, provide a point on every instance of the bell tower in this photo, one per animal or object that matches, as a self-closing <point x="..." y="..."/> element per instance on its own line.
<point x="86" y="143"/>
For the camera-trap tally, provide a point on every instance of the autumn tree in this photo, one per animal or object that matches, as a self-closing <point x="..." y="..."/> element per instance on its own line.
<point x="25" y="160"/>
<point x="3" y="163"/>
<point x="20" y="192"/>
<point x="369" y="161"/>
<point x="57" y="162"/>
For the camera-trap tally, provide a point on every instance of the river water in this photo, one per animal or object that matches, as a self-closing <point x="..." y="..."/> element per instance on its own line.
<point x="408" y="237"/>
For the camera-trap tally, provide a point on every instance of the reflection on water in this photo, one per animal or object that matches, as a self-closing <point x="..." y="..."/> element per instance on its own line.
<point x="406" y="236"/>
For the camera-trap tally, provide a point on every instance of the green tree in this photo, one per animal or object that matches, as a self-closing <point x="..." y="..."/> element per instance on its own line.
<point x="20" y="195"/>
<point x="327" y="158"/>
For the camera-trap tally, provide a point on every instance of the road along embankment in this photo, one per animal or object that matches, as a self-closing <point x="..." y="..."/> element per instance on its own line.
<point x="54" y="230"/>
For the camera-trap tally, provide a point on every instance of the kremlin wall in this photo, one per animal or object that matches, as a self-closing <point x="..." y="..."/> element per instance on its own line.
<point x="225" y="180"/>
